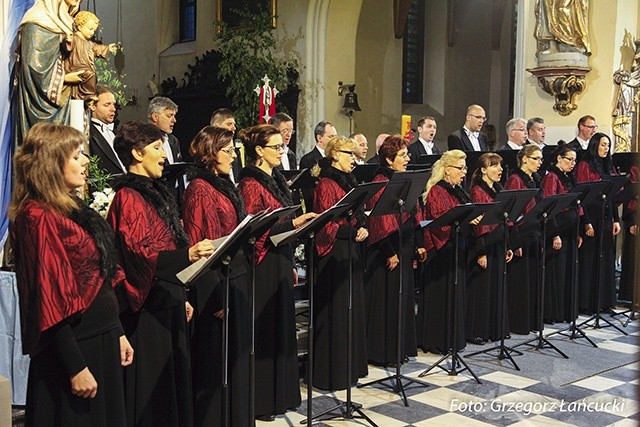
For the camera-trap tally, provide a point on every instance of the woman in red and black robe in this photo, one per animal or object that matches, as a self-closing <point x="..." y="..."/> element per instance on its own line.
<point x="263" y="187"/>
<point x="443" y="193"/>
<point x="484" y="292"/>
<point x="213" y="208"/>
<point x="629" y="242"/>
<point x="561" y="248"/>
<point x="382" y="272"/>
<point x="331" y="292"/>
<point x="524" y="268"/>
<point x="66" y="271"/>
<point x="595" y="165"/>
<point x="153" y="247"/>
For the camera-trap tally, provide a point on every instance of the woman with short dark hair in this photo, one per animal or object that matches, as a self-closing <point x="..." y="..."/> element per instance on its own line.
<point x="153" y="247"/>
<point x="263" y="187"/>
<point x="382" y="272"/>
<point x="213" y="208"/>
<point x="561" y="242"/>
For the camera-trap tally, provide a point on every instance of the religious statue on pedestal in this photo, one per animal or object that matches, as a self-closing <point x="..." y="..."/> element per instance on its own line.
<point x="627" y="103"/>
<point x="42" y="84"/>
<point x="79" y="54"/>
<point x="562" y="31"/>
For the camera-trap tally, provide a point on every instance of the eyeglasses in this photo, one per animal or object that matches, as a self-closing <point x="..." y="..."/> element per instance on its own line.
<point x="569" y="159"/>
<point x="592" y="127"/>
<point x="478" y="117"/>
<point x="350" y="153"/>
<point x="287" y="131"/>
<point x="230" y="151"/>
<point x="460" y="168"/>
<point x="520" y="129"/>
<point x="279" y="147"/>
<point x="536" y="158"/>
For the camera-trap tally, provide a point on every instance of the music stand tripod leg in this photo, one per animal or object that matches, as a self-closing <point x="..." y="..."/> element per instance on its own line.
<point x="452" y="321"/>
<point x="597" y="317"/>
<point x="397" y="378"/>
<point x="540" y="342"/>
<point x="348" y="407"/>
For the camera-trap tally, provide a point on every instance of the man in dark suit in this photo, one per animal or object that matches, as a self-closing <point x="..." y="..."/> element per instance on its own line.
<point x="536" y="132"/>
<point x="362" y="147"/>
<point x="424" y="145"/>
<point x="101" y="132"/>
<point x="162" y="114"/>
<point x="323" y="132"/>
<point x="469" y="137"/>
<point x="587" y="127"/>
<point x="379" y="140"/>
<point x="516" y="129"/>
<point x="224" y="118"/>
<point x="284" y="123"/>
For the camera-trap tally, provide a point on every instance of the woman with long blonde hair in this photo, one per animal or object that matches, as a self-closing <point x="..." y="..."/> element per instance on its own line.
<point x="66" y="270"/>
<point x="443" y="193"/>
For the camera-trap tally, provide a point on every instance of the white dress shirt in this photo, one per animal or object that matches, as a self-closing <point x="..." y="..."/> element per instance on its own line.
<point x="106" y="130"/>
<point x="428" y="146"/>
<point x="473" y="137"/>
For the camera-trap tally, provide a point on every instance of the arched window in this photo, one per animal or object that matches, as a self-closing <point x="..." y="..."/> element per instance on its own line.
<point x="187" y="20"/>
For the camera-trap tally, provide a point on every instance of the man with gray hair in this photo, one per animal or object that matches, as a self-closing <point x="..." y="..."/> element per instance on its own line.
<point x="517" y="133"/>
<point x="162" y="114"/>
<point x="536" y="131"/>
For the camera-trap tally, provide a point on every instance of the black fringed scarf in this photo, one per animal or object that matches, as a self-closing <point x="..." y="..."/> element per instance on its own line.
<point x="96" y="227"/>
<point x="531" y="181"/>
<point x="276" y="184"/>
<point x="568" y="180"/>
<point x="159" y="196"/>
<point x="347" y="182"/>
<point x="492" y="192"/>
<point x="456" y="191"/>
<point x="223" y="184"/>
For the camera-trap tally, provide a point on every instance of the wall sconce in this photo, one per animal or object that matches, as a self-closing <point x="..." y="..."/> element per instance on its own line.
<point x="563" y="83"/>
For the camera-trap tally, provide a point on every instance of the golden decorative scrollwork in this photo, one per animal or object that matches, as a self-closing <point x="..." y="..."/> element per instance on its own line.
<point x="563" y="84"/>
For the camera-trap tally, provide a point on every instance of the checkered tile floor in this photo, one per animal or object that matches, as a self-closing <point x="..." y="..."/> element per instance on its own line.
<point x="595" y="386"/>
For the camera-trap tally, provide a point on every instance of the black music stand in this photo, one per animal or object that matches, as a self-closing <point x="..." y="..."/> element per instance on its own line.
<point x="623" y="161"/>
<point x="221" y="258"/>
<point x="628" y="193"/>
<point x="587" y="192"/>
<point x="364" y="172"/>
<point x="615" y="184"/>
<point x="456" y="218"/>
<point x="512" y="203"/>
<point x="352" y="201"/>
<point x="401" y="191"/>
<point x="509" y="162"/>
<point x="426" y="160"/>
<point x="307" y="232"/>
<point x="545" y="210"/>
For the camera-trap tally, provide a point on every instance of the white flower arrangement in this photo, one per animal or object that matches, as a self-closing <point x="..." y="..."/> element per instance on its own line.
<point x="298" y="254"/>
<point x="101" y="201"/>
